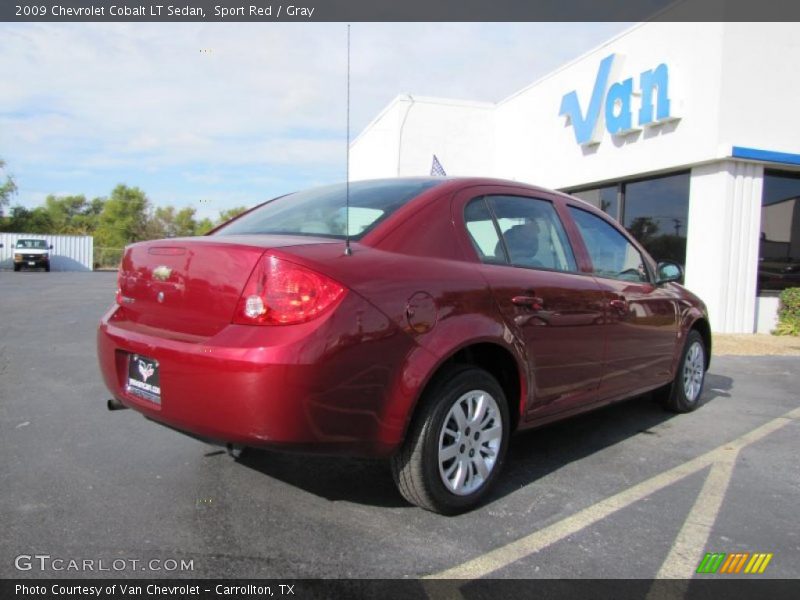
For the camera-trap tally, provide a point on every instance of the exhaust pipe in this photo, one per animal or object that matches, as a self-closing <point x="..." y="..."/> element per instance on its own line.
<point x="114" y="404"/>
<point x="235" y="451"/>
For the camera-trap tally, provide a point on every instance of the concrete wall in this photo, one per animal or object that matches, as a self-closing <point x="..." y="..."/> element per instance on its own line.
<point x="404" y="137"/>
<point x="760" y="87"/>
<point x="766" y="313"/>
<point x="375" y="152"/>
<point x="722" y="242"/>
<point x="69" y="253"/>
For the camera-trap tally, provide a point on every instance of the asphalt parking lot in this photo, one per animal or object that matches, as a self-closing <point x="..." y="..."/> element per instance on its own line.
<point x="630" y="491"/>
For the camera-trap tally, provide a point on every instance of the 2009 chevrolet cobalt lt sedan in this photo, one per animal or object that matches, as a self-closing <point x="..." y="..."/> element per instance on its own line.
<point x="465" y="310"/>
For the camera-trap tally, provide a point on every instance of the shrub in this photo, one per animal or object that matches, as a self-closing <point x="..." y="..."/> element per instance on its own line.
<point x="789" y="313"/>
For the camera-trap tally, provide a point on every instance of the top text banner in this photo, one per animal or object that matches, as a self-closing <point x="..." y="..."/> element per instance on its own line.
<point x="398" y="10"/>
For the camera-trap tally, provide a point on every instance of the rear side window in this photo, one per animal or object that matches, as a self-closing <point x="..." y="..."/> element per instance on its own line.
<point x="523" y="232"/>
<point x="484" y="233"/>
<point x="322" y="212"/>
<point x="613" y="256"/>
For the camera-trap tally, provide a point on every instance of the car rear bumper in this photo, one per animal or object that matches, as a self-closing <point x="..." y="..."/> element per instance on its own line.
<point x="311" y="387"/>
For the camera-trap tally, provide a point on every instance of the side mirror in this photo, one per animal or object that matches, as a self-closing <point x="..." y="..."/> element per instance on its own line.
<point x="669" y="271"/>
<point x="50" y="247"/>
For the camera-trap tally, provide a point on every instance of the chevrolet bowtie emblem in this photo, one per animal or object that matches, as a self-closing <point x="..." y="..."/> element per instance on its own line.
<point x="162" y="273"/>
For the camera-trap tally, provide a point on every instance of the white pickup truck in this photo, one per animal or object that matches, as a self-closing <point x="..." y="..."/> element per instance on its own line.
<point x="31" y="253"/>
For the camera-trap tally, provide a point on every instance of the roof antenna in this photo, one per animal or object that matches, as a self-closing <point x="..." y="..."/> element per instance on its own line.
<point x="347" y="250"/>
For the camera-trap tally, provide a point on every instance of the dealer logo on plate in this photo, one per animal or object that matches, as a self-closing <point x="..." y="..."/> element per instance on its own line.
<point x="146" y="369"/>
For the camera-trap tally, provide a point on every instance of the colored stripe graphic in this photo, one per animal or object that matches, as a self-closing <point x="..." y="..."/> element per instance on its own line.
<point x="759" y="562"/>
<point x="720" y="562"/>
<point x="741" y="562"/>
<point x="711" y="562"/>
<point x="735" y="562"/>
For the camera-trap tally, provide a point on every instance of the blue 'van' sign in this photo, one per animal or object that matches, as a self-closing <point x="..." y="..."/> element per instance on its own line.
<point x="613" y="105"/>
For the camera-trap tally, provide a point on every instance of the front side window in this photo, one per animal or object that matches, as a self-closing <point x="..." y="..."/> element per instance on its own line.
<point x="612" y="255"/>
<point x="523" y="232"/>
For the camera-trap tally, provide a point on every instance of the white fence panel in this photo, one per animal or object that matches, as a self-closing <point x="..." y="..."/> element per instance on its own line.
<point x="69" y="253"/>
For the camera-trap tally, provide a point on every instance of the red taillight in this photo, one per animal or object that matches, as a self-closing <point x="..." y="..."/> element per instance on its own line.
<point x="283" y="293"/>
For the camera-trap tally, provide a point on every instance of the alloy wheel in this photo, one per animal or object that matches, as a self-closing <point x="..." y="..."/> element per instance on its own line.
<point x="469" y="442"/>
<point x="693" y="370"/>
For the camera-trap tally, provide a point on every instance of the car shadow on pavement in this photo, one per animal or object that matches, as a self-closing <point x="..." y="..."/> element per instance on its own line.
<point x="531" y="456"/>
<point x="363" y="481"/>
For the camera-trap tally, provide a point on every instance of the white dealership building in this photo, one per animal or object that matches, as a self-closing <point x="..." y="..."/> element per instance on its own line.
<point x="687" y="133"/>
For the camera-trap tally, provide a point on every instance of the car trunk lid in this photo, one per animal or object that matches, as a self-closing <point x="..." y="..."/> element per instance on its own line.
<point x="192" y="285"/>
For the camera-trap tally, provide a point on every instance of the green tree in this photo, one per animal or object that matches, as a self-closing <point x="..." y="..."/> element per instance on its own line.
<point x="24" y="220"/>
<point x="89" y="219"/>
<point x="73" y="215"/>
<point x="7" y="189"/>
<point x="185" y="223"/>
<point x="166" y="222"/>
<point x="123" y="219"/>
<point x="227" y="215"/>
<point x="160" y="223"/>
<point x="204" y="226"/>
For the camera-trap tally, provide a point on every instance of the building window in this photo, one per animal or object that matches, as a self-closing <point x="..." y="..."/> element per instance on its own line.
<point x="655" y="211"/>
<point x="604" y="198"/>
<point x="779" y="246"/>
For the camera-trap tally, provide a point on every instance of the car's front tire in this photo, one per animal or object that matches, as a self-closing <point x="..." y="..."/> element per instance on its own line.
<point x="17" y="267"/>
<point x="456" y="443"/>
<point x="683" y="395"/>
<point x="47" y="267"/>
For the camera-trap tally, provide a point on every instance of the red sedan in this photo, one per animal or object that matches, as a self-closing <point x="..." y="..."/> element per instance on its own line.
<point x="465" y="310"/>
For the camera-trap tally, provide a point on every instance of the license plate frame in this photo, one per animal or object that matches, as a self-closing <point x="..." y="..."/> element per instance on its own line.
<point x="144" y="378"/>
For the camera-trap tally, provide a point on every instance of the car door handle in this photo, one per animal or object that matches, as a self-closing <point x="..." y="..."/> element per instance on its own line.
<point x="534" y="302"/>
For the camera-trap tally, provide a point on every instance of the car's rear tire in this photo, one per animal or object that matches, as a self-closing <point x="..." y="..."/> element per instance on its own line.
<point x="683" y="395"/>
<point x="456" y="443"/>
<point x="47" y="268"/>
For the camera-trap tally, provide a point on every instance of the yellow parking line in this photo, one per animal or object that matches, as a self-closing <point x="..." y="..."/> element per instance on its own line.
<point x="505" y="555"/>
<point x="681" y="561"/>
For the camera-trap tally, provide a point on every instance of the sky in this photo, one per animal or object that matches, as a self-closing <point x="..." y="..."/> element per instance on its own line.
<point x="216" y="115"/>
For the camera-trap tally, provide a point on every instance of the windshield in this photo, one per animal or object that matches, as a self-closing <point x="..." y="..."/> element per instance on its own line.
<point x="321" y="211"/>
<point x="32" y="244"/>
